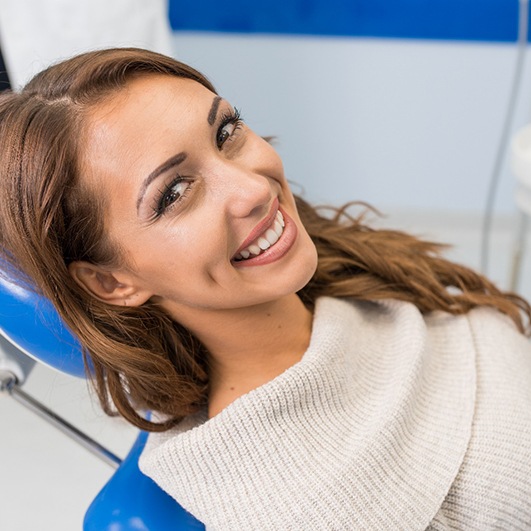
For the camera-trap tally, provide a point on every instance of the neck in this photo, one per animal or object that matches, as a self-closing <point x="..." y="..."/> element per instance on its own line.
<point x="249" y="347"/>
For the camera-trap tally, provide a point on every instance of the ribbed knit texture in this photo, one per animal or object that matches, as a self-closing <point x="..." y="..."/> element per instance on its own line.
<point x="390" y="421"/>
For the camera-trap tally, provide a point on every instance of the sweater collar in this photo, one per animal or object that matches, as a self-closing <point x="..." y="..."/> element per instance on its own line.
<point x="371" y="426"/>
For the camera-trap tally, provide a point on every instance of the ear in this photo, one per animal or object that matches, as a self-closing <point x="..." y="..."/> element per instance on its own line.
<point x="107" y="286"/>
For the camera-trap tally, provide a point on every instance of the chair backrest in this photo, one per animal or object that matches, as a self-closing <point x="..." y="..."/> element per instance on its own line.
<point x="130" y="500"/>
<point x="31" y="323"/>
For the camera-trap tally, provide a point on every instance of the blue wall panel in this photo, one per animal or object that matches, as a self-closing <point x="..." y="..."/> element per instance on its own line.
<point x="478" y="20"/>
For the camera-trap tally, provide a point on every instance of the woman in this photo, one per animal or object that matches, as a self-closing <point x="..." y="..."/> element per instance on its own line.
<point x="305" y="372"/>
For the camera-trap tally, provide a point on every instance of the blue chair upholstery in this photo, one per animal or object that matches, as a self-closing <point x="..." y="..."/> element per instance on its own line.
<point x="129" y="501"/>
<point x="31" y="323"/>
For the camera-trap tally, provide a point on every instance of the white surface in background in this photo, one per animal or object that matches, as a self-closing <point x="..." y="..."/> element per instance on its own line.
<point x="520" y="162"/>
<point x="36" y="33"/>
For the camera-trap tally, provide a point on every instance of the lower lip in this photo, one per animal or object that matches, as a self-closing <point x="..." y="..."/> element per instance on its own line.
<point x="276" y="251"/>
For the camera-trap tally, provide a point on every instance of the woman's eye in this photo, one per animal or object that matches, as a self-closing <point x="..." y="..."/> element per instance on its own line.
<point x="173" y="193"/>
<point x="225" y="133"/>
<point x="230" y="123"/>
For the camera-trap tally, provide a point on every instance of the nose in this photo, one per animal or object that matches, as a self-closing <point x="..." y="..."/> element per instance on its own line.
<point x="244" y="192"/>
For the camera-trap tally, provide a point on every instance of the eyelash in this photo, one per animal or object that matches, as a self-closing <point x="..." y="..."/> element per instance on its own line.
<point x="228" y="118"/>
<point x="233" y="117"/>
<point x="161" y="208"/>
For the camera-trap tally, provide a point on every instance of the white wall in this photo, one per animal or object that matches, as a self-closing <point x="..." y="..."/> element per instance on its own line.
<point x="401" y="124"/>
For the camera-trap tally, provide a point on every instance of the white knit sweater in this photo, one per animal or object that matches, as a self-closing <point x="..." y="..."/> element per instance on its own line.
<point x="390" y="421"/>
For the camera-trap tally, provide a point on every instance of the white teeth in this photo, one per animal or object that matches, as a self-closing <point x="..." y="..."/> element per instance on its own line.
<point x="271" y="236"/>
<point x="263" y="244"/>
<point x="254" y="250"/>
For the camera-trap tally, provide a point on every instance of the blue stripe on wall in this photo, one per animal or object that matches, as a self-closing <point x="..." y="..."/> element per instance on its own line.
<point x="477" y="20"/>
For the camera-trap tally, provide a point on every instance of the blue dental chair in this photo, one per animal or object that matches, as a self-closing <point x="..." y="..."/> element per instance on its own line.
<point x="30" y="329"/>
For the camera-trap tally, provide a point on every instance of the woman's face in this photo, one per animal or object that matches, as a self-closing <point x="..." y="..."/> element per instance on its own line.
<point x="197" y="202"/>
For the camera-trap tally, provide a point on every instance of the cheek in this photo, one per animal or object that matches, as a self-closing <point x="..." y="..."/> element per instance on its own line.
<point x="182" y="250"/>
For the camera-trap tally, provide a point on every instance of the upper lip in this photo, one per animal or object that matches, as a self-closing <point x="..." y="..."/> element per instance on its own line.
<point x="261" y="227"/>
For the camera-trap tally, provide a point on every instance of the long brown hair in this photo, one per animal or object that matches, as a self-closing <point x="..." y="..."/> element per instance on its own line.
<point x="140" y="358"/>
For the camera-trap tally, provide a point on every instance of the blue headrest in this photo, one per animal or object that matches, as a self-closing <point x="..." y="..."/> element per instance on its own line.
<point x="31" y="323"/>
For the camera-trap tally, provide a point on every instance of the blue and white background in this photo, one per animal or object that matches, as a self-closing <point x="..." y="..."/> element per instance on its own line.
<point x="399" y="103"/>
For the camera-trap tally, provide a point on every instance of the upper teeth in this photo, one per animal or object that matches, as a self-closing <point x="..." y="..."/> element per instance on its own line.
<point x="266" y="240"/>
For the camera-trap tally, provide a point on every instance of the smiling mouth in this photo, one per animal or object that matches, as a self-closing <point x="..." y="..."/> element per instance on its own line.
<point x="266" y="240"/>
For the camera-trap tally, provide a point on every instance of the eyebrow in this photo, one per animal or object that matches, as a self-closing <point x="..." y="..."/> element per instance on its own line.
<point x="164" y="167"/>
<point x="214" y="110"/>
<point x="176" y="159"/>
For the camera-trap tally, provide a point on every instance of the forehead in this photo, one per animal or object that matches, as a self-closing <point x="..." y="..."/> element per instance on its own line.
<point x="134" y="129"/>
<point x="146" y="101"/>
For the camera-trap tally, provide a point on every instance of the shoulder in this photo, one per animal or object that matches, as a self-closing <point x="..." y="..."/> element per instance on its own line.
<point x="493" y="481"/>
<point x="503" y="365"/>
<point x="503" y="353"/>
<point x="485" y="329"/>
<point x="493" y="330"/>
